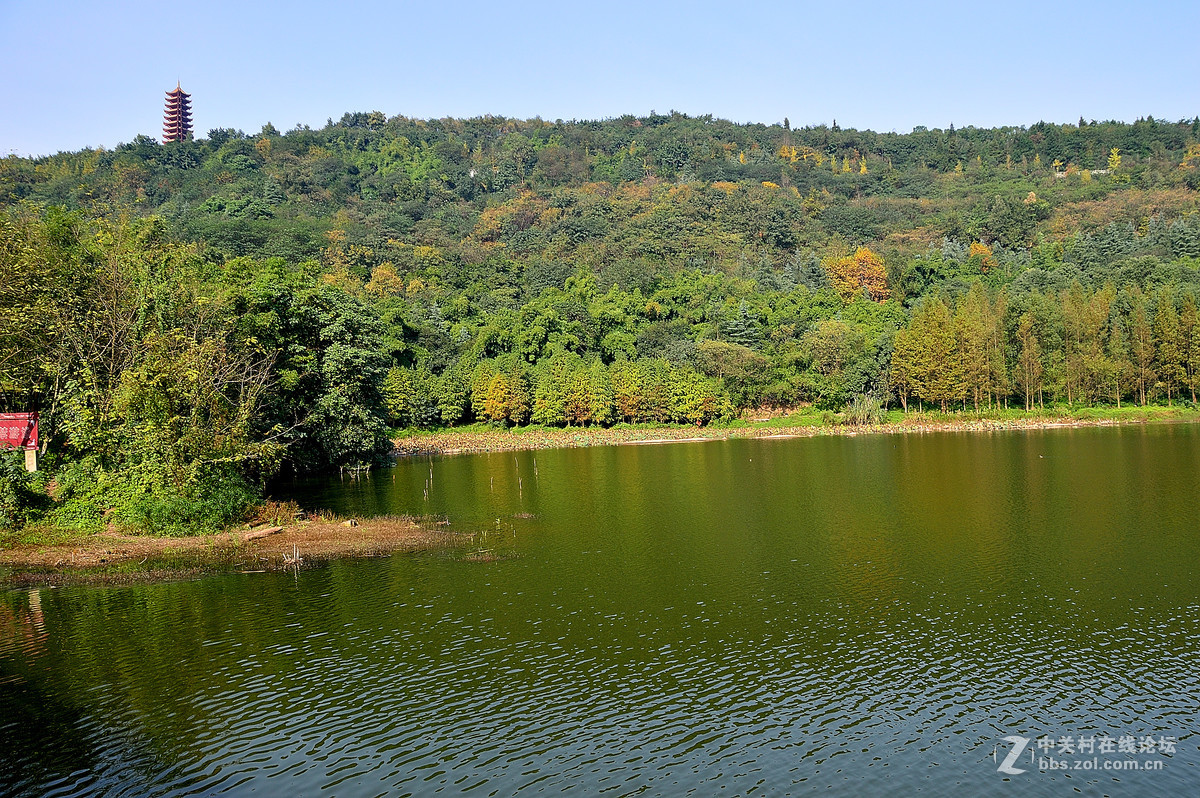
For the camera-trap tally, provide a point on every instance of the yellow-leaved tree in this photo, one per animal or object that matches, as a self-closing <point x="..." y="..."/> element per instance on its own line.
<point x="1191" y="156"/>
<point x="860" y="274"/>
<point x="981" y="257"/>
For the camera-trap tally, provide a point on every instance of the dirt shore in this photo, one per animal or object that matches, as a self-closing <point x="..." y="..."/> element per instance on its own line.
<point x="458" y="441"/>
<point x="111" y="558"/>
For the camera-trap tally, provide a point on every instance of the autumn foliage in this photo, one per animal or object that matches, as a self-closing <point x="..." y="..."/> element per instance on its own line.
<point x="981" y="257"/>
<point x="859" y="274"/>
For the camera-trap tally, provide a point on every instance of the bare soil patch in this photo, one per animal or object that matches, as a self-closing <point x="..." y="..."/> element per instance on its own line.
<point x="116" y="558"/>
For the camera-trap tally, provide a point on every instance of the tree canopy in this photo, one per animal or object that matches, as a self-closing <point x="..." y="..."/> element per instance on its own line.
<point x="191" y="318"/>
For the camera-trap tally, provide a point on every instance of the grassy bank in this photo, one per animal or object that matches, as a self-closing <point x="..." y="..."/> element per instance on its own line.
<point x="804" y="422"/>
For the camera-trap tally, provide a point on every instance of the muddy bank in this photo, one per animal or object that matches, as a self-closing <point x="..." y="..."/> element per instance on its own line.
<point x="111" y="558"/>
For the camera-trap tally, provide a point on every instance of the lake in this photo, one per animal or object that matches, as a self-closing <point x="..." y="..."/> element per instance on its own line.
<point x="856" y="615"/>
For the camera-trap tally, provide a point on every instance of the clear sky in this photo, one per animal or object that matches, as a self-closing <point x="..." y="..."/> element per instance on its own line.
<point x="77" y="74"/>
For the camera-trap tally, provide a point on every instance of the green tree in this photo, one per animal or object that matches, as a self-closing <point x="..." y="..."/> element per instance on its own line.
<point x="1189" y="336"/>
<point x="743" y="328"/>
<point x="339" y="342"/>
<point x="1120" y="368"/>
<point x="628" y="391"/>
<point x="1141" y="346"/>
<point x="904" y="365"/>
<point x="971" y="322"/>
<point x="1170" y="353"/>
<point x="739" y="368"/>
<point x="411" y="397"/>
<point x="602" y="408"/>
<point x="936" y="372"/>
<point x="453" y="397"/>
<point x="1030" y="370"/>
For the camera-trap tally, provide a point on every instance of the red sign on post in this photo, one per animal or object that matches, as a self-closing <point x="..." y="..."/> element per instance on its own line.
<point x="18" y="430"/>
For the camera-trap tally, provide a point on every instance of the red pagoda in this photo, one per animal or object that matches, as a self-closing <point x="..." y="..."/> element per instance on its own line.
<point x="177" y="120"/>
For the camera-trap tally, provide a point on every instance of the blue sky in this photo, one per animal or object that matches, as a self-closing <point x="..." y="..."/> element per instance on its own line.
<point x="79" y="74"/>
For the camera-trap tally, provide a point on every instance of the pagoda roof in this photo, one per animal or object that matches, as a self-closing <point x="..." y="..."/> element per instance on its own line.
<point x="177" y="116"/>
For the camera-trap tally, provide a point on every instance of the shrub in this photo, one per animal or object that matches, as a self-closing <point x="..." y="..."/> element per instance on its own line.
<point x="864" y="409"/>
<point x="20" y="499"/>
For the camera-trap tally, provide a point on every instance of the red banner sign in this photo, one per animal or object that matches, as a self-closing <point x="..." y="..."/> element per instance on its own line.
<point x="18" y="430"/>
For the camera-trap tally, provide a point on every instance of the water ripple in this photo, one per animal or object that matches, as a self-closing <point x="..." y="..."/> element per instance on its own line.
<point x="655" y="647"/>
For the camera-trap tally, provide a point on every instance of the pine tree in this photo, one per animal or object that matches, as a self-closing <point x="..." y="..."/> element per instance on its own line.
<point x="273" y="192"/>
<point x="1074" y="314"/>
<point x="550" y="391"/>
<point x="743" y="328"/>
<point x="498" y="400"/>
<point x="628" y="393"/>
<point x="929" y="355"/>
<point x="997" y="350"/>
<point x="578" y="396"/>
<point x="809" y="272"/>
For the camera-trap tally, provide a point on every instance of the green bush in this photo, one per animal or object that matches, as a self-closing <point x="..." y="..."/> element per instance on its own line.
<point x="215" y="503"/>
<point x="90" y="497"/>
<point x="21" y="500"/>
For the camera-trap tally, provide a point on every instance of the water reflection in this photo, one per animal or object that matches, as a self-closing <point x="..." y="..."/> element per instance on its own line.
<point x="857" y="616"/>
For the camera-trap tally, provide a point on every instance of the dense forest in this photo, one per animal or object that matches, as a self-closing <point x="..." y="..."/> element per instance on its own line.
<point x="191" y="318"/>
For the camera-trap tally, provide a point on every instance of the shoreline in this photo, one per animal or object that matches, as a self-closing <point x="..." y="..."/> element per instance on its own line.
<point x="115" y="559"/>
<point x="110" y="558"/>
<point x="476" y="440"/>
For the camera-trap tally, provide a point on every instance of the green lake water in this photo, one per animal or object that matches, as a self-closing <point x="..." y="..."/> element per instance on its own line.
<point x="849" y="615"/>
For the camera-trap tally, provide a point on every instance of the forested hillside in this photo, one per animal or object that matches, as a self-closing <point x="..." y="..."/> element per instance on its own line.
<point x="191" y="317"/>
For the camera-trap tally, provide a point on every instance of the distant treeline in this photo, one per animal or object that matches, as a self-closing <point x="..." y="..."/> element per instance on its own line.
<point x="194" y="317"/>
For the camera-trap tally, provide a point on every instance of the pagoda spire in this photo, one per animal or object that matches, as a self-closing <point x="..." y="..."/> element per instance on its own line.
<point x="177" y="118"/>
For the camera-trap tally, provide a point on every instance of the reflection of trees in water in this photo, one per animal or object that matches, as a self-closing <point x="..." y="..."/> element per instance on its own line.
<point x="47" y="742"/>
<point x="75" y="714"/>
<point x="23" y="627"/>
<point x="42" y="737"/>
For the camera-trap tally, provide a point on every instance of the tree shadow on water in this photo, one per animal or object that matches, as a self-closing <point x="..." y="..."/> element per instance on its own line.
<point x="43" y="738"/>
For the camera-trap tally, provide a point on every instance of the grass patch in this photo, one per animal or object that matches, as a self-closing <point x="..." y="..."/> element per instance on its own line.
<point x="39" y="535"/>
